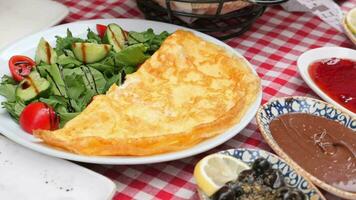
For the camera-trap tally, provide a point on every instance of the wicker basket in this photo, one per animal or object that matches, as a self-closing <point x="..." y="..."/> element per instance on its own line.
<point x="220" y="18"/>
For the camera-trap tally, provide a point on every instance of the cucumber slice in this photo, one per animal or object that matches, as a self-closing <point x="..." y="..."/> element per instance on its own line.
<point x="31" y="87"/>
<point x="45" y="53"/>
<point x="90" y="52"/>
<point x="115" y="36"/>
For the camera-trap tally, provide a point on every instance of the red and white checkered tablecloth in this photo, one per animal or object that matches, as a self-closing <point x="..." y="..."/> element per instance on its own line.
<point x="272" y="45"/>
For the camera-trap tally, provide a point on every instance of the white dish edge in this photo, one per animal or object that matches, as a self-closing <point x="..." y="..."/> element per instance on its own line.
<point x="316" y="54"/>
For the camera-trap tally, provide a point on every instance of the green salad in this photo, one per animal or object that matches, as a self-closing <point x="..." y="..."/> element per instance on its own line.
<point x="67" y="76"/>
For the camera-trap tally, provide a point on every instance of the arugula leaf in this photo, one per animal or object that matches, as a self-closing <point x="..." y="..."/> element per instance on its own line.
<point x="107" y="65"/>
<point x="115" y="79"/>
<point x="14" y="108"/>
<point x="8" y="91"/>
<point x="149" y="38"/>
<point x="55" y="101"/>
<point x="68" y="61"/>
<point x="75" y="84"/>
<point x="60" y="105"/>
<point x="140" y="37"/>
<point x="65" y="117"/>
<point x="130" y="69"/>
<point x="156" y="42"/>
<point x="81" y="103"/>
<point x="69" y="52"/>
<point x="93" y="37"/>
<point x="93" y="79"/>
<point x="53" y="75"/>
<point x="132" y="55"/>
<point x="96" y="78"/>
<point x="5" y="79"/>
<point x="110" y="59"/>
<point x="66" y="42"/>
<point x="78" y="93"/>
<point x="102" y="67"/>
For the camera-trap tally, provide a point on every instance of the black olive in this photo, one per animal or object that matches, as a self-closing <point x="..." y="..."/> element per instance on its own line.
<point x="247" y="176"/>
<point x="294" y="195"/>
<point x="288" y="193"/>
<point x="273" y="178"/>
<point x="224" y="193"/>
<point x="282" y="190"/>
<point x="237" y="188"/>
<point x="300" y="194"/>
<point x="261" y="165"/>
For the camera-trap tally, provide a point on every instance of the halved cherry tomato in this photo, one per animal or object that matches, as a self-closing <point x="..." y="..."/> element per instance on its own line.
<point x="38" y="115"/>
<point x="20" y="66"/>
<point x="101" y="29"/>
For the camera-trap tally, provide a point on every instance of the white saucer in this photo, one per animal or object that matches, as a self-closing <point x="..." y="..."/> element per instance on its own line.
<point x="19" y="18"/>
<point x="28" y="175"/>
<point x="313" y="55"/>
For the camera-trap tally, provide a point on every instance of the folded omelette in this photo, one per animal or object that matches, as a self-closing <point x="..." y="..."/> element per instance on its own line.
<point x="188" y="91"/>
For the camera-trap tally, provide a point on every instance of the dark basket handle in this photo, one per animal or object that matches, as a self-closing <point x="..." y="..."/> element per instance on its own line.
<point x="267" y="2"/>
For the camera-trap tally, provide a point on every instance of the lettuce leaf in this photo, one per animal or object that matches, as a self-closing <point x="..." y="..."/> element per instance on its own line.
<point x="148" y="38"/>
<point x="63" y="43"/>
<point x="132" y="55"/>
<point x="14" y="108"/>
<point x="8" y="91"/>
<point x="93" y="37"/>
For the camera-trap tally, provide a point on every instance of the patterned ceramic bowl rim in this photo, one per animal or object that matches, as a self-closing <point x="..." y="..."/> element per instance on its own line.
<point x="269" y="139"/>
<point x="231" y="152"/>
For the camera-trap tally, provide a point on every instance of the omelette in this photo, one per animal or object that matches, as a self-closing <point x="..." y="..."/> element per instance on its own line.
<point x="187" y="91"/>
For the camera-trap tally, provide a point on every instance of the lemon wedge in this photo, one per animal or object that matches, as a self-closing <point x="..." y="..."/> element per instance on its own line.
<point x="351" y="20"/>
<point x="213" y="171"/>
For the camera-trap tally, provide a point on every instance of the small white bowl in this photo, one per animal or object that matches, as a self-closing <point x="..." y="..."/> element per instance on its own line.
<point x="313" y="55"/>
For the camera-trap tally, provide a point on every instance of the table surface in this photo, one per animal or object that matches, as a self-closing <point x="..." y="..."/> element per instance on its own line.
<point x="272" y="45"/>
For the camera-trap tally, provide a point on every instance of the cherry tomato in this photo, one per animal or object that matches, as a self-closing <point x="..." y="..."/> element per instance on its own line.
<point x="20" y="66"/>
<point x="38" y="115"/>
<point x="101" y="29"/>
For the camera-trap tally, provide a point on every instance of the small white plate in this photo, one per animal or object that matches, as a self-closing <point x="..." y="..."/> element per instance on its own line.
<point x="28" y="175"/>
<point x="313" y="55"/>
<point x="27" y="46"/>
<point x="19" y="18"/>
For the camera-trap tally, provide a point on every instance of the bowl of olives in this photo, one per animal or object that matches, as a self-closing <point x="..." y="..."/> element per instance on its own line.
<point x="267" y="178"/>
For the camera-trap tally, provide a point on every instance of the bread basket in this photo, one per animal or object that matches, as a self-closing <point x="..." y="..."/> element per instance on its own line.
<point x="220" y="18"/>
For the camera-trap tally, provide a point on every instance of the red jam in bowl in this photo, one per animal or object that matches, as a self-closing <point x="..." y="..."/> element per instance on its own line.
<point x="337" y="78"/>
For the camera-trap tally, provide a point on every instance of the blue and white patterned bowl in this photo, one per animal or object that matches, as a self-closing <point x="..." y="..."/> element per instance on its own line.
<point x="280" y="106"/>
<point x="291" y="177"/>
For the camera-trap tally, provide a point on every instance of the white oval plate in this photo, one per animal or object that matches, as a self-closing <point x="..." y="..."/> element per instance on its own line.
<point x="313" y="55"/>
<point x="27" y="46"/>
<point x="30" y="175"/>
<point x="16" y="22"/>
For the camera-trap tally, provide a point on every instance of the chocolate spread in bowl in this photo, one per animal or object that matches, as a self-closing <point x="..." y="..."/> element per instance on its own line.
<point x="324" y="148"/>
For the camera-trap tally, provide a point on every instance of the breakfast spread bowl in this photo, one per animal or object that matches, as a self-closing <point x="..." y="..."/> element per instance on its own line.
<point x="291" y="177"/>
<point x="308" y="58"/>
<point x="309" y="146"/>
